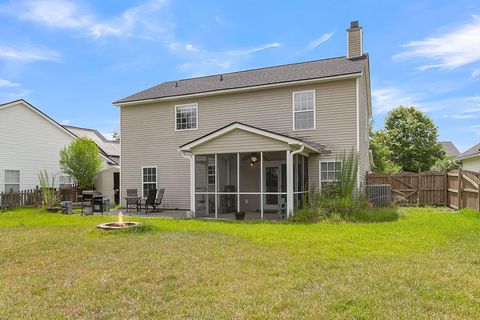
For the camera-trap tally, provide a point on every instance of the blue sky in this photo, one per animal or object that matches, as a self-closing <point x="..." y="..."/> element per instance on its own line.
<point x="72" y="59"/>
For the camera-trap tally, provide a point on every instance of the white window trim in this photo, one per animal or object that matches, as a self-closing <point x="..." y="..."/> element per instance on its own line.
<point x="320" y="172"/>
<point x="314" y="110"/>
<point x="175" y="116"/>
<point x="156" y="178"/>
<point x="19" y="179"/>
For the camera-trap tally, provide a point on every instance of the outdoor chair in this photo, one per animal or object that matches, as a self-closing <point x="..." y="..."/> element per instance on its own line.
<point x="151" y="201"/>
<point x="132" y="199"/>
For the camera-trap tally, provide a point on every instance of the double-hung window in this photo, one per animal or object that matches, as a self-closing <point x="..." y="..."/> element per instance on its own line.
<point x="149" y="179"/>
<point x="329" y="175"/>
<point x="186" y="117"/>
<point x="304" y="110"/>
<point x="12" y="180"/>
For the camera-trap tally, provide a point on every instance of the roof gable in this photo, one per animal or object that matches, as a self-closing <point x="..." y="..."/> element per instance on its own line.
<point x="472" y="152"/>
<point x="246" y="128"/>
<point x="40" y="113"/>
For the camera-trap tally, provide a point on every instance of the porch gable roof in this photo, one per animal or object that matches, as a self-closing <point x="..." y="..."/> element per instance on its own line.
<point x="248" y="128"/>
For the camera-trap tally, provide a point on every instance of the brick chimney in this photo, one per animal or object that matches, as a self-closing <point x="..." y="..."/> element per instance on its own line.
<point x="354" y="40"/>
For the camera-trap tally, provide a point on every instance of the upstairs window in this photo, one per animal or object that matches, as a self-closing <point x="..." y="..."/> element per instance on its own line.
<point x="12" y="180"/>
<point x="149" y="179"/>
<point x="186" y="117"/>
<point x="304" y="110"/>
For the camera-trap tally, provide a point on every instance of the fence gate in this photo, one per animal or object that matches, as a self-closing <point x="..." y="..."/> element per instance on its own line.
<point x="457" y="189"/>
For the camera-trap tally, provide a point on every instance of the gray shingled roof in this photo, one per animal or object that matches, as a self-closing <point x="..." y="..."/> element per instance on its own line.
<point x="470" y="152"/>
<point x="251" y="78"/>
<point x="450" y="148"/>
<point x="111" y="148"/>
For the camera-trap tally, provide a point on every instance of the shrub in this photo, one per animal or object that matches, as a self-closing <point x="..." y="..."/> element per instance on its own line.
<point x="82" y="161"/>
<point x="49" y="194"/>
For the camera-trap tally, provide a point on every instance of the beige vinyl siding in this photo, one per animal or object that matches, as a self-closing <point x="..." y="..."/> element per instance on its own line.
<point x="149" y="136"/>
<point x="472" y="164"/>
<point x="240" y="141"/>
<point x="363" y="120"/>
<point x="354" y="43"/>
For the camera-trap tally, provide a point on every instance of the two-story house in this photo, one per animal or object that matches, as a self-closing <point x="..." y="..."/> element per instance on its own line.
<point x="252" y="141"/>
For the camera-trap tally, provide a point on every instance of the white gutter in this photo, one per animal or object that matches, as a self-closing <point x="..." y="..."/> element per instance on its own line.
<point x="468" y="157"/>
<point x="290" y="179"/>
<point x="251" y="88"/>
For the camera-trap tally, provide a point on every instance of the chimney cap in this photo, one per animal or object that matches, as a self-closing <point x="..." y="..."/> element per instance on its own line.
<point x="354" y="24"/>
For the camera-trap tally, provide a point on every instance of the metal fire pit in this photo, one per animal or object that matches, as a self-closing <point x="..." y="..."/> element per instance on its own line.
<point x="116" y="225"/>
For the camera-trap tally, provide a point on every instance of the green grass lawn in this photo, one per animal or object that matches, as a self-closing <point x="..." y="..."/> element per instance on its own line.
<point x="425" y="265"/>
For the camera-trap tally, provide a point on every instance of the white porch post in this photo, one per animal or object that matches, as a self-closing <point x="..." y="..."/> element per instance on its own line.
<point x="289" y="183"/>
<point x="216" y="189"/>
<point x="290" y="155"/>
<point x="192" y="184"/>
<point x="261" y="185"/>
<point x="238" y="182"/>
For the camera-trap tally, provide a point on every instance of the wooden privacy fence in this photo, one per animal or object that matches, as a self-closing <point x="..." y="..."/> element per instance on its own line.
<point x="458" y="188"/>
<point x="33" y="197"/>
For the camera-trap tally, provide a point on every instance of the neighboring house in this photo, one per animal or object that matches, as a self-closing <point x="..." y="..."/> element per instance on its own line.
<point x="30" y="142"/>
<point x="253" y="140"/>
<point x="470" y="159"/>
<point x="108" y="180"/>
<point x="450" y="148"/>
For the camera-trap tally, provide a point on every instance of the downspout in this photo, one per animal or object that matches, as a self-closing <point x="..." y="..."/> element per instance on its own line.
<point x="290" y="179"/>
<point x="192" y="180"/>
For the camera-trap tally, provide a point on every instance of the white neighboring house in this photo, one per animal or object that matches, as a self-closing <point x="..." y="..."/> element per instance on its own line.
<point x="30" y="142"/>
<point x="470" y="159"/>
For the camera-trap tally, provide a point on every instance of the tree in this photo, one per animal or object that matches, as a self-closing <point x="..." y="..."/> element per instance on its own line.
<point x="447" y="163"/>
<point x="82" y="161"/>
<point x="411" y="138"/>
<point x="116" y="136"/>
<point x="381" y="153"/>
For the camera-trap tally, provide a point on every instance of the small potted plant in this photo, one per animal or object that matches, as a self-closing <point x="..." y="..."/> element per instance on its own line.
<point x="49" y="194"/>
<point x="240" y="215"/>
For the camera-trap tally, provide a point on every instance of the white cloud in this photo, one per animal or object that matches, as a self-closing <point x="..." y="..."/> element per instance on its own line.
<point x="223" y="22"/>
<point x="27" y="54"/>
<point x="475" y="129"/>
<point x="65" y="122"/>
<point x="53" y="13"/>
<point x="386" y="99"/>
<point x="317" y="42"/>
<point x="449" y="50"/>
<point x="190" y="47"/>
<point x="476" y="73"/>
<point x="8" y="84"/>
<point x="461" y="116"/>
<point x="202" y="61"/>
<point x="142" y="21"/>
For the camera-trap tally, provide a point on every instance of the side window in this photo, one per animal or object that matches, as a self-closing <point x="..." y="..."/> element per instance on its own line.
<point x="329" y="175"/>
<point x="149" y="180"/>
<point x="304" y="110"/>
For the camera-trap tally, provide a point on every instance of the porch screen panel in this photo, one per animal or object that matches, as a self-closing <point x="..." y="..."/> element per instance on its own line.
<point x="205" y="173"/>
<point x="227" y="172"/>
<point x="250" y="172"/>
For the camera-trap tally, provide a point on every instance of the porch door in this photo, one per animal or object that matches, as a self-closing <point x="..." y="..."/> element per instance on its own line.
<point x="273" y="180"/>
